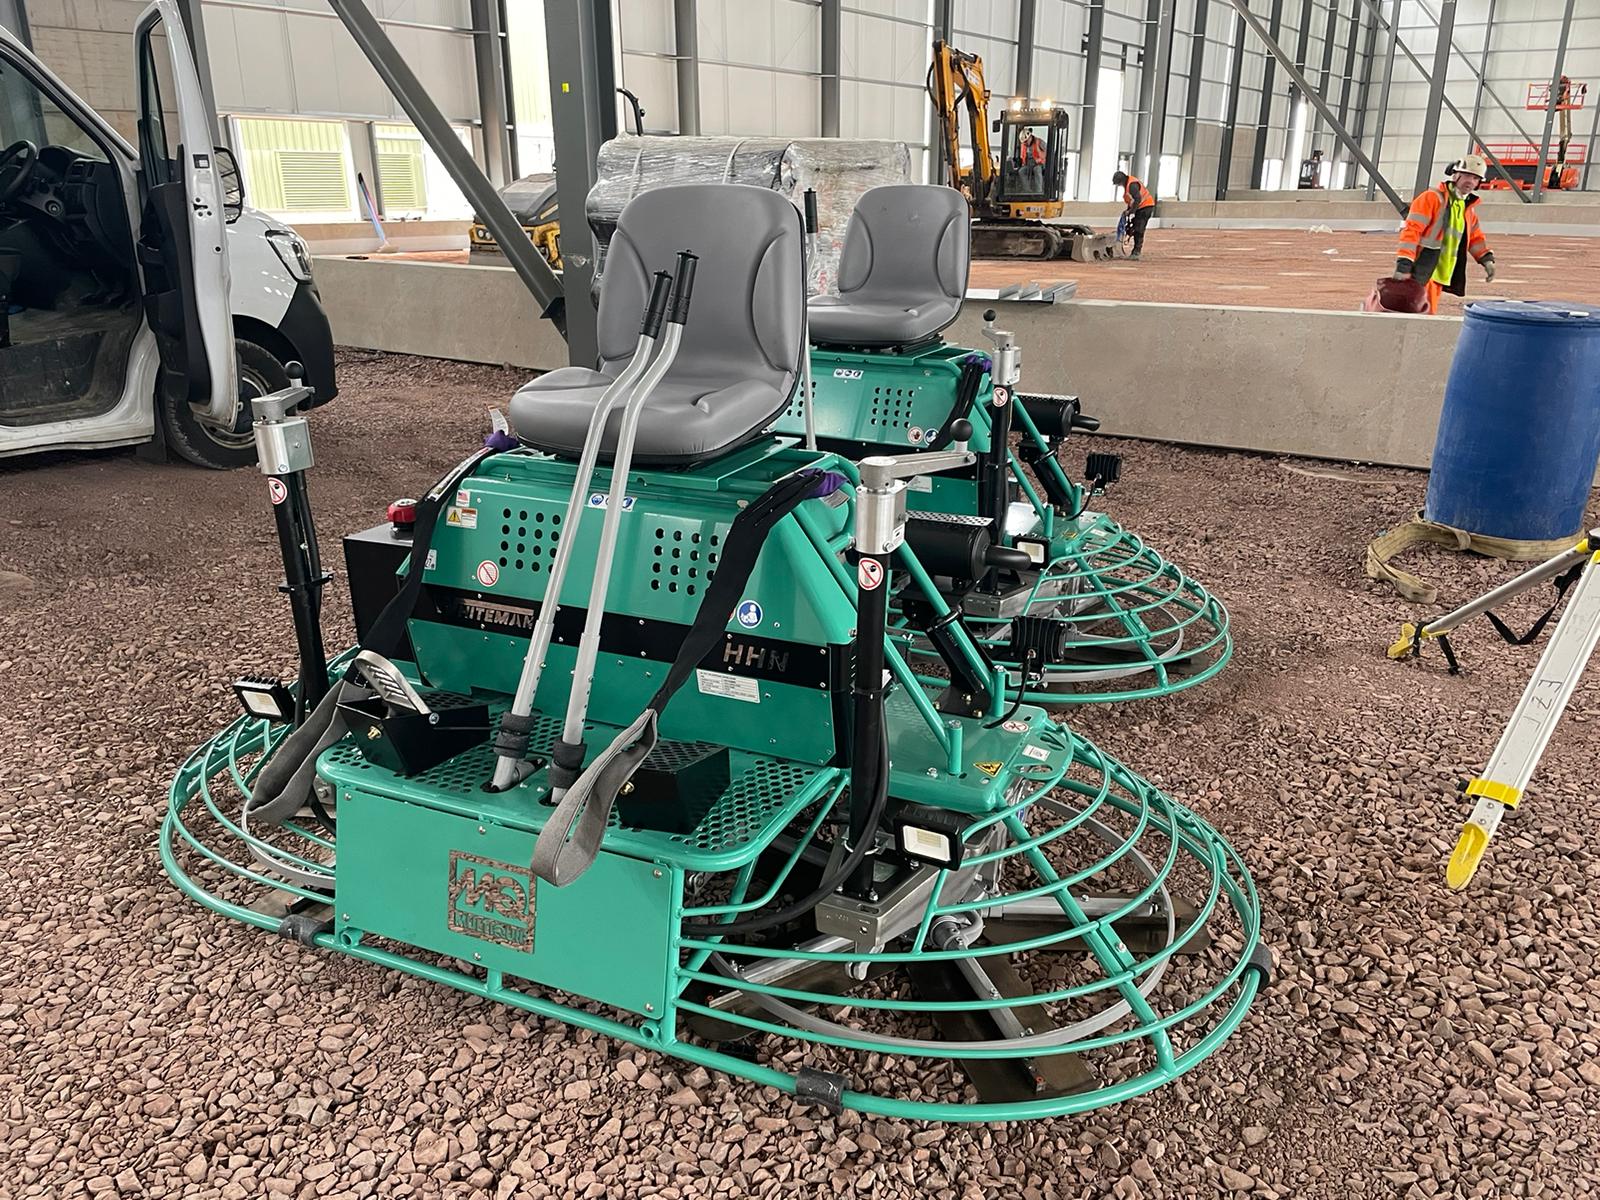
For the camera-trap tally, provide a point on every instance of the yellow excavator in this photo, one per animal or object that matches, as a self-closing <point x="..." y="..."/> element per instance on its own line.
<point x="1017" y="201"/>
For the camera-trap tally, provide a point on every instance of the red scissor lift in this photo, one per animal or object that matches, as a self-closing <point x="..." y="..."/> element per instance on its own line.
<point x="1563" y="162"/>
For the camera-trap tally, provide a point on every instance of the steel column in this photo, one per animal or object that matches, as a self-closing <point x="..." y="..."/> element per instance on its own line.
<point x="1369" y="54"/>
<point x="583" y="109"/>
<point x="1191" y="100"/>
<point x="1231" y="109"/>
<point x="14" y="17"/>
<point x="1555" y="92"/>
<point x="1094" y="39"/>
<point x="1158" y="102"/>
<point x="1393" y="22"/>
<point x="1302" y="46"/>
<point x="1472" y="131"/>
<point x="1313" y="126"/>
<point x="1147" y="87"/>
<point x="686" y="51"/>
<point x="511" y="92"/>
<point x="830" y="68"/>
<point x="488" y="56"/>
<point x="1483" y="64"/>
<point x="1258" y="158"/>
<point x="1430" y="119"/>
<point x="1027" y="36"/>
<point x="1301" y="82"/>
<point x="1480" y="74"/>
<point x="1352" y="47"/>
<point x="391" y="67"/>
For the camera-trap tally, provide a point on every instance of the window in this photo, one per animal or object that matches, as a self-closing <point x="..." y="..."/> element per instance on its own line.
<point x="27" y="114"/>
<point x="1107" y="133"/>
<point x="299" y="168"/>
<point x="1273" y="176"/>
<point x="402" y="174"/>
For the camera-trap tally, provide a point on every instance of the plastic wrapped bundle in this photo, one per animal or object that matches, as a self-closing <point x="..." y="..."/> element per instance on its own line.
<point x="840" y="169"/>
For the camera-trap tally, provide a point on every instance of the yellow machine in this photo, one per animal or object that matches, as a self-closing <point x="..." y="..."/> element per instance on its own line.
<point x="532" y="200"/>
<point x="1017" y="198"/>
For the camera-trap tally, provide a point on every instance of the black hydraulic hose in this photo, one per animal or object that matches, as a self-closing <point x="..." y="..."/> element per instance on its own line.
<point x="972" y="370"/>
<point x="852" y="861"/>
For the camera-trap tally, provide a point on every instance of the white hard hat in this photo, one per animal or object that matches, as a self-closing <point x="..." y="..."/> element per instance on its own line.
<point x="1472" y="164"/>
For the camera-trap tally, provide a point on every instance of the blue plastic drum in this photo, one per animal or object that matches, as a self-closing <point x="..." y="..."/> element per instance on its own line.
<point x="1519" y="436"/>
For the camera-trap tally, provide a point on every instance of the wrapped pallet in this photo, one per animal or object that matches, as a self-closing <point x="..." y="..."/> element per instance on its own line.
<point x="839" y="169"/>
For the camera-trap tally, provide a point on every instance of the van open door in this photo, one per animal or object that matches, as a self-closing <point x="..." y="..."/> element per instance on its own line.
<point x="182" y="242"/>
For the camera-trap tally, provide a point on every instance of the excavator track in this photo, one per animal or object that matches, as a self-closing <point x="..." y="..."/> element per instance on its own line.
<point x="1035" y="239"/>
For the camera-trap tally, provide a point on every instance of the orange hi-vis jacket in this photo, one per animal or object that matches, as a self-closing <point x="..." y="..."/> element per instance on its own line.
<point x="1422" y="237"/>
<point x="1031" y="152"/>
<point x="1146" y="200"/>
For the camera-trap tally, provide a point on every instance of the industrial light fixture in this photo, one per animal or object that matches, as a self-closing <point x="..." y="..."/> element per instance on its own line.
<point x="1037" y="549"/>
<point x="929" y="835"/>
<point x="265" y="698"/>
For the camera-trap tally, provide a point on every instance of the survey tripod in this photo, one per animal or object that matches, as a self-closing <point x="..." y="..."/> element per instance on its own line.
<point x="1501" y="785"/>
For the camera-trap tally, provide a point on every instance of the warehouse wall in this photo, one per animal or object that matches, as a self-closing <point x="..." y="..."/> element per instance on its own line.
<point x="90" y="46"/>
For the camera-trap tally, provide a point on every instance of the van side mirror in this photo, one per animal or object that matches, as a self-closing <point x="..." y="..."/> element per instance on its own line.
<point x="232" y="183"/>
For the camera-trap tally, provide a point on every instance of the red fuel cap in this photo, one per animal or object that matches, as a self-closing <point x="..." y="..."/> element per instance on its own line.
<point x="403" y="514"/>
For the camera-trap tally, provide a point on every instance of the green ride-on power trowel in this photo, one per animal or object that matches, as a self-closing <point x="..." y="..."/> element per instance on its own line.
<point x="1074" y="607"/>
<point x="629" y="741"/>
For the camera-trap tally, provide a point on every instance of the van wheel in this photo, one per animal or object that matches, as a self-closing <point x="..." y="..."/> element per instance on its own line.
<point x="223" y="450"/>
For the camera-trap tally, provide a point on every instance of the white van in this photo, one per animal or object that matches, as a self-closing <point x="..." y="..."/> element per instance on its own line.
<point x="140" y="300"/>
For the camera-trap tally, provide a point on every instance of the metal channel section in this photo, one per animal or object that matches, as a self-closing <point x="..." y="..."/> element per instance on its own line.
<point x="391" y="67"/>
<point x="1430" y="116"/>
<point x="1555" y="92"/>
<point x="1258" y="158"/>
<point x="1093" y="43"/>
<point x="1321" y="105"/>
<point x="1191" y="99"/>
<point x="1416" y="63"/>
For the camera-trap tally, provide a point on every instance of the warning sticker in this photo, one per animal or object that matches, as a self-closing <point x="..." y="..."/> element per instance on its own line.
<point x="1000" y="397"/>
<point x="1036" y="752"/>
<point x="603" y="500"/>
<point x="920" y="483"/>
<point x="461" y="518"/>
<point x="730" y="687"/>
<point x="488" y="573"/>
<point x="1015" y="726"/>
<point x="869" y="574"/>
<point x="914" y="435"/>
<point x="431" y="561"/>
<point x="277" y="490"/>
<point x="991" y="769"/>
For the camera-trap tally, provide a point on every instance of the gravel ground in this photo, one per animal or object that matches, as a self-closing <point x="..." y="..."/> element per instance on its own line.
<point x="1416" y="1042"/>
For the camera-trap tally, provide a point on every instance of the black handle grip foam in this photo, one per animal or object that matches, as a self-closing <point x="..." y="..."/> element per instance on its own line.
<point x="656" y="311"/>
<point x="811" y="210"/>
<point x="683" y="287"/>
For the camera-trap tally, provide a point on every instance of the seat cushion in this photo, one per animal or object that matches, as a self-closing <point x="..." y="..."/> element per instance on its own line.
<point x="848" y="321"/>
<point x="685" y="421"/>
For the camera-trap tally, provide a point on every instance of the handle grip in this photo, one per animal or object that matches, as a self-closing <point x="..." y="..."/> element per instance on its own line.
<point x="683" y="287"/>
<point x="811" y="210"/>
<point x="1087" y="424"/>
<point x="656" y="310"/>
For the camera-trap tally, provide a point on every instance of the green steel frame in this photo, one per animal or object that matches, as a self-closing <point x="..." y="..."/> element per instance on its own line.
<point x="1065" y="854"/>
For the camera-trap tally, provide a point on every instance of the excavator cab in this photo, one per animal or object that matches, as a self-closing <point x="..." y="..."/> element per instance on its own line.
<point x="1033" y="158"/>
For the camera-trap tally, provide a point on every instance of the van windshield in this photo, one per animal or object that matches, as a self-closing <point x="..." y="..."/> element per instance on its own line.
<point x="28" y="115"/>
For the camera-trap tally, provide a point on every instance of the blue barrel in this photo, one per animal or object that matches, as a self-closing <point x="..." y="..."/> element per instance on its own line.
<point x="1519" y="436"/>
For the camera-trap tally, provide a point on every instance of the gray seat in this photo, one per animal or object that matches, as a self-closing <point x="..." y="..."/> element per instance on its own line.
<point x="903" y="272"/>
<point x="740" y="359"/>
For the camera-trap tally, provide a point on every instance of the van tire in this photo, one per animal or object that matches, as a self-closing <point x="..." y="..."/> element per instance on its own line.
<point x="260" y="372"/>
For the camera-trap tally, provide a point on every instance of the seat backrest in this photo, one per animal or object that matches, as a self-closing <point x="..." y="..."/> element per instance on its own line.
<point x="908" y="244"/>
<point x="749" y="291"/>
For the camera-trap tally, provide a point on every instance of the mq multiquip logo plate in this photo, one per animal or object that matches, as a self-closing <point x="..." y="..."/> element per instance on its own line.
<point x="492" y="901"/>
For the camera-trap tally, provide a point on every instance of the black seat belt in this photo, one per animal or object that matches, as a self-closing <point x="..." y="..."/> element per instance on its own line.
<point x="571" y="837"/>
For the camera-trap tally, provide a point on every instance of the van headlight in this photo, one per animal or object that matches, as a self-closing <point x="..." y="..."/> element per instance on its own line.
<point x="292" y="251"/>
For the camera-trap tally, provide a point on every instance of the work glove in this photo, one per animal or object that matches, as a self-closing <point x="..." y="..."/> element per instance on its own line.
<point x="1403" y="268"/>
<point x="1488" y="268"/>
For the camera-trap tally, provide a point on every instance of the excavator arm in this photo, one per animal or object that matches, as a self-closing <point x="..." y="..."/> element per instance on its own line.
<point x="955" y="84"/>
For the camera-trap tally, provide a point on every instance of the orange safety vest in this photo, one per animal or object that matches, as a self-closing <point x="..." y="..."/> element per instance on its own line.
<point x="1422" y="236"/>
<point x="1031" y="152"/>
<point x="1146" y="199"/>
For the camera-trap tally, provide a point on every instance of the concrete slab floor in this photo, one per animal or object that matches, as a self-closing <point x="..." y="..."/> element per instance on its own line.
<point x="1304" y="270"/>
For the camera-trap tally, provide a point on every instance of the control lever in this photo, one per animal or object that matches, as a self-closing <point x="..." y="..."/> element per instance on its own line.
<point x="881" y="498"/>
<point x="1007" y="356"/>
<point x="1008" y="558"/>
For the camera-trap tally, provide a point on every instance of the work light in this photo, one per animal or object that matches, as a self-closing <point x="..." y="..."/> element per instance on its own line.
<point x="265" y="698"/>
